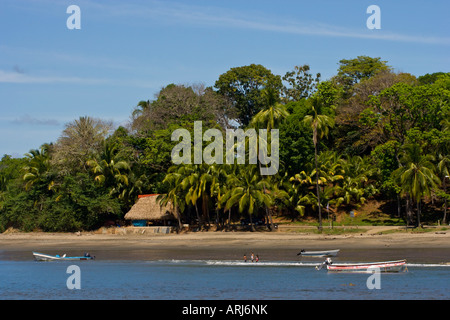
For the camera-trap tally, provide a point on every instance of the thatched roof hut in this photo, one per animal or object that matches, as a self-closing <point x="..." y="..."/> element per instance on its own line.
<point x="147" y="208"/>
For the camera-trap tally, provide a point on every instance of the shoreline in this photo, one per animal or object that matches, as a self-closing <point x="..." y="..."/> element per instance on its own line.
<point x="430" y="247"/>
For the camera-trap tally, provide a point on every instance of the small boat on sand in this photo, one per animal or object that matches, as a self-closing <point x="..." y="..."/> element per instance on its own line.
<point x="367" y="267"/>
<point x="47" y="257"/>
<point x="319" y="254"/>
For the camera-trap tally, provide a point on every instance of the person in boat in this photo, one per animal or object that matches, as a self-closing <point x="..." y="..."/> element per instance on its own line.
<point x="327" y="262"/>
<point x="87" y="254"/>
<point x="303" y="250"/>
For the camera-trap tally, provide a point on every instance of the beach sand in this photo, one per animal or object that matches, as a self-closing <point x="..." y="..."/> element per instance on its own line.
<point x="429" y="247"/>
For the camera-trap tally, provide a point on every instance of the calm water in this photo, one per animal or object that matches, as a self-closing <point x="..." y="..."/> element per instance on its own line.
<point x="213" y="280"/>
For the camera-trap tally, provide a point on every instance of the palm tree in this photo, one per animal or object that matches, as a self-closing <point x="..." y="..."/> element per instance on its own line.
<point x="273" y="113"/>
<point x="218" y="187"/>
<point x="355" y="186"/>
<point x="174" y="195"/>
<point x="228" y="173"/>
<point x="327" y="174"/>
<point x="196" y="181"/>
<point x="267" y="118"/>
<point x="38" y="168"/>
<point x="248" y="192"/>
<point x="129" y="191"/>
<point x="443" y="168"/>
<point x="416" y="177"/>
<point x="38" y="174"/>
<point x="141" y="108"/>
<point x="320" y="124"/>
<point x="108" y="168"/>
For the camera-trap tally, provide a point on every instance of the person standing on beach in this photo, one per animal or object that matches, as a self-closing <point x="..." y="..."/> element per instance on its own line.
<point x="257" y="258"/>
<point x="245" y="257"/>
<point x="252" y="256"/>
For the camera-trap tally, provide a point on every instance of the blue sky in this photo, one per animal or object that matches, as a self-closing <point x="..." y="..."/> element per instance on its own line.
<point x="126" y="51"/>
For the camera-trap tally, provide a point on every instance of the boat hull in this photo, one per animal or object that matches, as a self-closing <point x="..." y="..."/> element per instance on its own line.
<point x="46" y="257"/>
<point x="386" y="266"/>
<point x="320" y="254"/>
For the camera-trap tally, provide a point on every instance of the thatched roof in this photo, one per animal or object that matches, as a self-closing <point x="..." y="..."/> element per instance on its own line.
<point x="148" y="208"/>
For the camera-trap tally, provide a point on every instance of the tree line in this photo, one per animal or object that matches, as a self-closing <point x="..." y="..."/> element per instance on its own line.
<point x="366" y="133"/>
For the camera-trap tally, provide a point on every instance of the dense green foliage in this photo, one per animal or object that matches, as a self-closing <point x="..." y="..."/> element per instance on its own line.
<point x="366" y="133"/>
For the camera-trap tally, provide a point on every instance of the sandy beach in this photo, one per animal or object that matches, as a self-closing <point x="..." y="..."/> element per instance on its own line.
<point x="429" y="247"/>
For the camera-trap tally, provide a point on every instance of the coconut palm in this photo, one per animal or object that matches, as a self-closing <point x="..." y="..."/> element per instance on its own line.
<point x="272" y="114"/>
<point x="416" y="177"/>
<point x="328" y="173"/>
<point x="355" y="187"/>
<point x="228" y="174"/>
<point x="196" y="181"/>
<point x="141" y="108"/>
<point x="38" y="168"/>
<point x="108" y="168"/>
<point x="247" y="192"/>
<point x="218" y="186"/>
<point x="443" y="169"/>
<point x="320" y="124"/>
<point x="129" y="191"/>
<point x="268" y="118"/>
<point x="175" y="194"/>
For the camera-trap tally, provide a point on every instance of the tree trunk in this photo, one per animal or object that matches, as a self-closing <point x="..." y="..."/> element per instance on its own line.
<point x="180" y="225"/>
<point x="217" y="218"/>
<point x="205" y="210"/>
<point x="268" y="213"/>
<point x="317" y="187"/>
<point x="444" y="220"/>
<point x="418" y="213"/>
<point x="251" y="223"/>
<point x="409" y="212"/>
<point x="229" y="218"/>
<point x="200" y="223"/>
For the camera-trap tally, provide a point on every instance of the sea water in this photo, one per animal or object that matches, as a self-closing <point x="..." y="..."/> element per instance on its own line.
<point x="213" y="280"/>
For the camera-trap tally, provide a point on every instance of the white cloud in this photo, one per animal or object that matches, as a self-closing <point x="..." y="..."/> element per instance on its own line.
<point x="22" y="78"/>
<point x="29" y="120"/>
<point x="15" y="77"/>
<point x="172" y="12"/>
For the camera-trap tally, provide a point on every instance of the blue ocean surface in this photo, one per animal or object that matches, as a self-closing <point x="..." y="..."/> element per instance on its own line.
<point x="213" y="280"/>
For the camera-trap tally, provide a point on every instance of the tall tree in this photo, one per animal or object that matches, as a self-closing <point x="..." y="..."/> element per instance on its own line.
<point x="268" y="118"/>
<point x="416" y="177"/>
<point x="108" y="168"/>
<point x="320" y="124"/>
<point x="176" y="104"/>
<point x="247" y="192"/>
<point x="443" y="169"/>
<point x="243" y="86"/>
<point x="175" y="194"/>
<point x="301" y="83"/>
<point x="352" y="71"/>
<point x="38" y="168"/>
<point x="80" y="141"/>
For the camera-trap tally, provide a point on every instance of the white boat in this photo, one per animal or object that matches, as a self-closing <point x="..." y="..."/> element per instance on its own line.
<point x="319" y="254"/>
<point x="47" y="257"/>
<point x="371" y="267"/>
